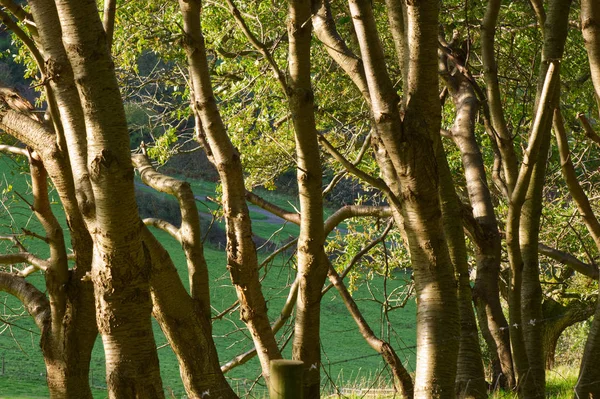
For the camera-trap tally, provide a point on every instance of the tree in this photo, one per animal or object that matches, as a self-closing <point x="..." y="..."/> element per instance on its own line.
<point x="403" y="158"/>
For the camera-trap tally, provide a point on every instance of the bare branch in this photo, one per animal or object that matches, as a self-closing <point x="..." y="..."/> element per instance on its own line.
<point x="291" y="217"/>
<point x="567" y="259"/>
<point x="14" y="150"/>
<point x="579" y="196"/>
<point x="375" y="182"/>
<point x="350" y="211"/>
<point x="363" y="150"/>
<point x="285" y="314"/>
<point x="239" y="19"/>
<point x="164" y="226"/>
<point x="29" y="131"/>
<point x="35" y="301"/>
<point x="24" y="257"/>
<point x="587" y="127"/>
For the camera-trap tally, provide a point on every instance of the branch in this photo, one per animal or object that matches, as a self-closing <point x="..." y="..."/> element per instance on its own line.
<point x="375" y="182"/>
<point x="108" y="20"/>
<point x="540" y="13"/>
<point x="350" y="211"/>
<point x="188" y="234"/>
<point x="403" y="380"/>
<point x="325" y="30"/>
<point x="587" y="127"/>
<point x="531" y="154"/>
<point x="28" y="131"/>
<point x="567" y="259"/>
<point x="35" y="301"/>
<point x="57" y="275"/>
<point x="291" y="217"/>
<point x="285" y="314"/>
<point x="27" y="41"/>
<point x="14" y="150"/>
<point x="19" y="13"/>
<point x="363" y="150"/>
<point x="239" y="19"/>
<point x="164" y="226"/>
<point x="579" y="196"/>
<point x="24" y="257"/>
<point x="362" y="253"/>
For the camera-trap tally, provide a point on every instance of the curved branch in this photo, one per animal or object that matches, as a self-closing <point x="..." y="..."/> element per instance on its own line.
<point x="567" y="259"/>
<point x="189" y="234"/>
<point x="163" y="225"/>
<point x="35" y="301"/>
<point x="291" y="217"/>
<point x="351" y="211"/>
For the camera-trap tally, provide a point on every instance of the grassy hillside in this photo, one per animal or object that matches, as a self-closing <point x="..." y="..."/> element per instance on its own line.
<point x="347" y="358"/>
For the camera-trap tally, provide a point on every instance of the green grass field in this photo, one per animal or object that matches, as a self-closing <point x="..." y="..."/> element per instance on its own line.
<point x="347" y="358"/>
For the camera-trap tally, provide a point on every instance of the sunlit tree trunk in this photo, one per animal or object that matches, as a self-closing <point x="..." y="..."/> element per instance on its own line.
<point x="312" y="261"/>
<point x="242" y="261"/>
<point x="555" y="35"/>
<point x="120" y="265"/>
<point x="409" y="147"/>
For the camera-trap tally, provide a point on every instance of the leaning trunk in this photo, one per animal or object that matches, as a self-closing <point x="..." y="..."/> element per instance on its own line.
<point x="242" y="261"/>
<point x="555" y="35"/>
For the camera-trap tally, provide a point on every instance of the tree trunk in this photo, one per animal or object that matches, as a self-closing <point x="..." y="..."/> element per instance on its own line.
<point x="312" y="261"/>
<point x="120" y="265"/>
<point x="470" y="377"/>
<point x="588" y="384"/>
<point x="183" y="321"/>
<point x="555" y="35"/>
<point x="242" y="260"/>
<point x="558" y="317"/>
<point x="409" y="148"/>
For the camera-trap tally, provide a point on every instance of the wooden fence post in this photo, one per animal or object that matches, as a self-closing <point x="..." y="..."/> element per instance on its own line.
<point x="286" y="379"/>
